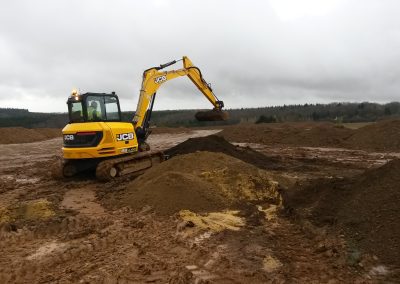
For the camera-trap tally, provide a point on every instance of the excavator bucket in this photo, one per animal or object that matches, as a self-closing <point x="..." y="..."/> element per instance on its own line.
<point x="211" y="115"/>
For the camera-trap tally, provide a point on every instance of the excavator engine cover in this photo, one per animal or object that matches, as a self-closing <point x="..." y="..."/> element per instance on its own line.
<point x="212" y="115"/>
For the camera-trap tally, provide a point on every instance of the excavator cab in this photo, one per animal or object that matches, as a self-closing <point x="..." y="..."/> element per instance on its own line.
<point x="93" y="107"/>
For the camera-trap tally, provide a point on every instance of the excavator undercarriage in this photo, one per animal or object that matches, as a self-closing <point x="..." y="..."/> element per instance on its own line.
<point x="110" y="168"/>
<point x="130" y="165"/>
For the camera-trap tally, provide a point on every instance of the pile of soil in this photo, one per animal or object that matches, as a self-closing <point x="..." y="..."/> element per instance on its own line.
<point x="12" y="135"/>
<point x="214" y="143"/>
<point x="366" y="208"/>
<point x="290" y="134"/>
<point x="200" y="182"/>
<point x="383" y="136"/>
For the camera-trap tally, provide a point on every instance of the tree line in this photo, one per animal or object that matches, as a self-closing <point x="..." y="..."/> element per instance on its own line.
<point x="339" y="112"/>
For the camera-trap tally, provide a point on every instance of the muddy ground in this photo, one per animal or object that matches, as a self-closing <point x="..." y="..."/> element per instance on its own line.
<point x="234" y="226"/>
<point x="11" y="135"/>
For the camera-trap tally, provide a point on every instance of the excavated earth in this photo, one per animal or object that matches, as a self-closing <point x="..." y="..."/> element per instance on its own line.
<point x="365" y="207"/>
<point x="14" y="135"/>
<point x="272" y="207"/>
<point x="200" y="182"/>
<point x="298" y="134"/>
<point x="217" y="144"/>
<point x="383" y="136"/>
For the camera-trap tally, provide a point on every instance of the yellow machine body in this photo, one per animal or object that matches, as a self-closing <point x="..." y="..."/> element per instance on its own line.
<point x="117" y="138"/>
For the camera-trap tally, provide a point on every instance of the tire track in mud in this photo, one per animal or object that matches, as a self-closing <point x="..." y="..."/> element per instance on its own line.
<point x="127" y="247"/>
<point x="72" y="241"/>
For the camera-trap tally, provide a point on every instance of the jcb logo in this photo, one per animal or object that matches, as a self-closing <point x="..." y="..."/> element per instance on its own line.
<point x="125" y="136"/>
<point x="68" y="137"/>
<point x="160" y="79"/>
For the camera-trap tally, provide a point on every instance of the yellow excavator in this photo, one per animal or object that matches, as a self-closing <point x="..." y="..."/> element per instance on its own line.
<point x="96" y="138"/>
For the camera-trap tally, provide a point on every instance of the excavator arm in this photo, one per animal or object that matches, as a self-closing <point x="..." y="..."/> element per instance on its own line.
<point x="153" y="78"/>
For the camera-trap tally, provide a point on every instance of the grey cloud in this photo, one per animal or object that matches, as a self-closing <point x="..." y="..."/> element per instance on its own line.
<point x="250" y="54"/>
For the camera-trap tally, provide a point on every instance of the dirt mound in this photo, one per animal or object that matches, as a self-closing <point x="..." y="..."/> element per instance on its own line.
<point x="296" y="134"/>
<point x="365" y="207"/>
<point x="172" y="191"/>
<point x="382" y="136"/>
<point x="218" y="144"/>
<point x="199" y="182"/>
<point x="11" y="135"/>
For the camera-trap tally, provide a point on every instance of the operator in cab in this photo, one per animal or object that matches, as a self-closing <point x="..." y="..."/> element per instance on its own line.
<point x="92" y="112"/>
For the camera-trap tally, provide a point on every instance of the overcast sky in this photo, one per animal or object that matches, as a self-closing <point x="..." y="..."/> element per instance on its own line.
<point x="254" y="53"/>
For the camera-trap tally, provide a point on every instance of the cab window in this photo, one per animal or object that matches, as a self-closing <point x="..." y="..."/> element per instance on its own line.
<point x="102" y="108"/>
<point x="76" y="113"/>
<point x="112" y="110"/>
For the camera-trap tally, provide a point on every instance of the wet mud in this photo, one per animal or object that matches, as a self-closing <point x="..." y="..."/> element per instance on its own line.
<point x="233" y="226"/>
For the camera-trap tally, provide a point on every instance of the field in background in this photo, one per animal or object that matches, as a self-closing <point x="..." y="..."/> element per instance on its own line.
<point x="334" y="112"/>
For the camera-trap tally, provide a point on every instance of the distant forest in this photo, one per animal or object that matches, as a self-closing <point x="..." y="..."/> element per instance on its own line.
<point x="336" y="112"/>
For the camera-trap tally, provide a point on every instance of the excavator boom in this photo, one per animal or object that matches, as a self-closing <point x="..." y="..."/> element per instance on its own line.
<point x="153" y="78"/>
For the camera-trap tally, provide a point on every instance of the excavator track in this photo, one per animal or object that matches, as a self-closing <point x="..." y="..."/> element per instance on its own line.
<point x="132" y="165"/>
